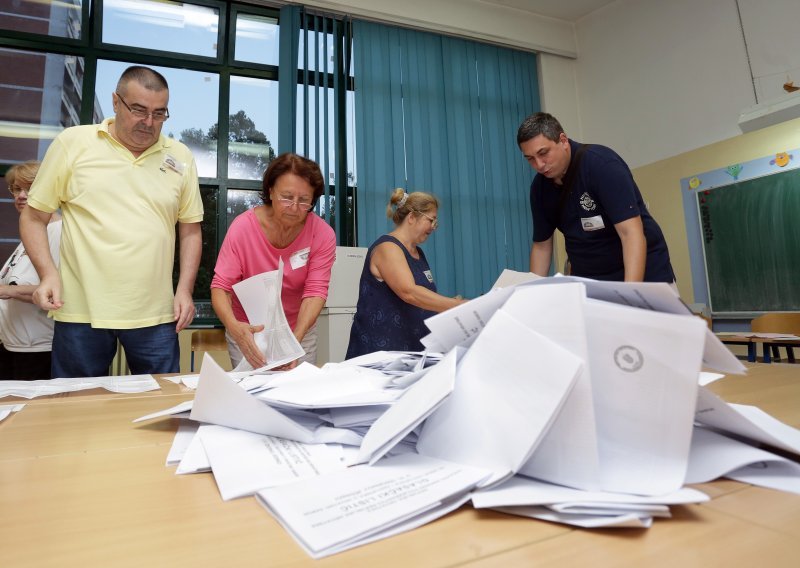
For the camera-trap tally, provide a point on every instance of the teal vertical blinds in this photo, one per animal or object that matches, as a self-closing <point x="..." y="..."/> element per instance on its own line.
<point x="313" y="80"/>
<point x="440" y="114"/>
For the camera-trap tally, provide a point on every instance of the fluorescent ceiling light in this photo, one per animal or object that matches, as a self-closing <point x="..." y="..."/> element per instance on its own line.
<point x="770" y="113"/>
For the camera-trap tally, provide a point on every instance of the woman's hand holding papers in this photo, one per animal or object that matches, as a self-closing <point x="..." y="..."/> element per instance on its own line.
<point x="244" y="335"/>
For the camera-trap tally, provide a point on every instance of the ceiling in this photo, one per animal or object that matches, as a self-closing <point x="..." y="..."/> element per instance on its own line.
<point x="569" y="10"/>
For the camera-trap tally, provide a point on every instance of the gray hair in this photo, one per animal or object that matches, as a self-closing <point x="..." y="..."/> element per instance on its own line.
<point x="402" y="203"/>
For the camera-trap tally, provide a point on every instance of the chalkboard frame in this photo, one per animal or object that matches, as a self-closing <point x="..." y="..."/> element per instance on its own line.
<point x="720" y="178"/>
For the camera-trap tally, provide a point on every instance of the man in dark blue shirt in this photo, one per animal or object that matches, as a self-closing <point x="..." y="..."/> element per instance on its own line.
<point x="588" y="193"/>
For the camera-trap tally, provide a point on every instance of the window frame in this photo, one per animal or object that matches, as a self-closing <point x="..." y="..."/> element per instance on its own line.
<point x="91" y="47"/>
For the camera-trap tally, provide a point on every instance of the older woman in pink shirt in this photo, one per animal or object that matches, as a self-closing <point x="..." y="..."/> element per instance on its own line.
<point x="282" y="228"/>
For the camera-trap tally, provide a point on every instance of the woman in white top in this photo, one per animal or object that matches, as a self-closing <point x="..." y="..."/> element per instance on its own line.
<point x="26" y="333"/>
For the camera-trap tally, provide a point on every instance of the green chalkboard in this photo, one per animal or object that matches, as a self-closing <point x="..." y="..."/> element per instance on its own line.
<point x="751" y="240"/>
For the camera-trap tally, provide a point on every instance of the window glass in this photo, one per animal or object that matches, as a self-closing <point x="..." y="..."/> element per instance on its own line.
<point x="328" y="205"/>
<point x="316" y="96"/>
<point x="205" y="272"/>
<point x="319" y="44"/>
<point x="59" y="19"/>
<point x="161" y="24"/>
<point x="9" y="222"/>
<point x="40" y="95"/>
<point x="193" y="104"/>
<point x="256" y="39"/>
<point x="253" y="127"/>
<point x="240" y="200"/>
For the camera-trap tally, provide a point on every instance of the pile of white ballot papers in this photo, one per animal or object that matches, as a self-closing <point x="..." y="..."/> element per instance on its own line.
<point x="561" y="399"/>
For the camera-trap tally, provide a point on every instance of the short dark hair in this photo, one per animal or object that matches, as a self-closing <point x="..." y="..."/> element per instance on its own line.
<point x="539" y="123"/>
<point x="148" y="78"/>
<point x="290" y="163"/>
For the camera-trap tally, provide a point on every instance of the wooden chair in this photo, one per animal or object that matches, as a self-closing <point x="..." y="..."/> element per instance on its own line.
<point x="207" y="340"/>
<point x="778" y="323"/>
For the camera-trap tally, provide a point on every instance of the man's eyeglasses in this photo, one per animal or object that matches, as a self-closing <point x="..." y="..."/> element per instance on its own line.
<point x="302" y="205"/>
<point x="434" y="220"/>
<point x="159" y="115"/>
<point x="16" y="190"/>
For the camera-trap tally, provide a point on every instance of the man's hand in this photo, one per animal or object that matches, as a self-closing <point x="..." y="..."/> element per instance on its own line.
<point x="48" y="295"/>
<point x="183" y="310"/>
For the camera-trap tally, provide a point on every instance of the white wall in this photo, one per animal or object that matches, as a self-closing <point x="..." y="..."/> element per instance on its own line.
<point x="558" y="90"/>
<point x="656" y="79"/>
<point x="773" y="42"/>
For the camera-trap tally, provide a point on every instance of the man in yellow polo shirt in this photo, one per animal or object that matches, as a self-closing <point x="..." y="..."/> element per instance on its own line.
<point x="122" y="187"/>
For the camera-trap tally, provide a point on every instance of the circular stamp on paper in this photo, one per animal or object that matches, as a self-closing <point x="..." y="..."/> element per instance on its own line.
<point x="628" y="358"/>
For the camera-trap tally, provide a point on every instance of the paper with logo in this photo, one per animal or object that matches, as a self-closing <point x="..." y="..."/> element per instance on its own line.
<point x="509" y="387"/>
<point x="644" y="382"/>
<point x="337" y="511"/>
<point x="654" y="296"/>
<point x="260" y="296"/>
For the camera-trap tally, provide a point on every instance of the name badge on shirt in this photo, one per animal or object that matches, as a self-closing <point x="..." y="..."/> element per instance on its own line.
<point x="429" y="275"/>
<point x="592" y="223"/>
<point x="173" y="164"/>
<point x="300" y="258"/>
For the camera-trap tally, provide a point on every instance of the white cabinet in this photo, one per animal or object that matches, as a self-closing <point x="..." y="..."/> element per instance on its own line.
<point x="333" y="325"/>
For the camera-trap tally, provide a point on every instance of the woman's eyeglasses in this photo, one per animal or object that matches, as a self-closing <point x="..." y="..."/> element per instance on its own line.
<point x="434" y="220"/>
<point x="302" y="205"/>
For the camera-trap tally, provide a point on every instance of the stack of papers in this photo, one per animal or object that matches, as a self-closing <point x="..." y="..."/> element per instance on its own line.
<point x="260" y="296"/>
<point x="7" y="409"/>
<point x="558" y="399"/>
<point x="123" y="384"/>
<point x="589" y="509"/>
<point x="339" y="511"/>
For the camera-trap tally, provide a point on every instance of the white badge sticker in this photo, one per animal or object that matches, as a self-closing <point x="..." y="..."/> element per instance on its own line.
<point x="300" y="258"/>
<point x="429" y="275"/>
<point x="592" y="223"/>
<point x="173" y="164"/>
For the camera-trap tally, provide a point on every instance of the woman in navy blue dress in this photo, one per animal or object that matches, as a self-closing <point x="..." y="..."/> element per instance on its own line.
<point x="397" y="292"/>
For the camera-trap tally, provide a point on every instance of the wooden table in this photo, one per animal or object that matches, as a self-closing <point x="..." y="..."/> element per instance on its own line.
<point x="768" y="345"/>
<point x="80" y="485"/>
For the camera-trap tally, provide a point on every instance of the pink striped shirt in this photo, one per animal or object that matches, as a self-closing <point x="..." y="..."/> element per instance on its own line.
<point x="307" y="262"/>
